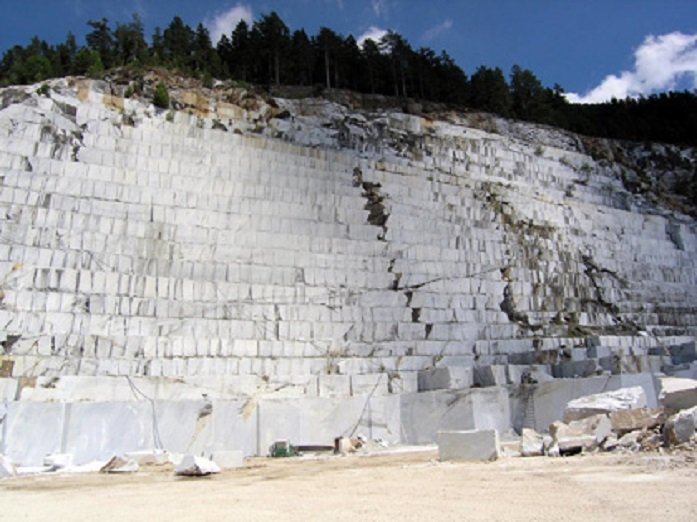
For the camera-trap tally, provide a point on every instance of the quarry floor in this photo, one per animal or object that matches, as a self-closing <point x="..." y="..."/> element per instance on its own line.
<point x="408" y="486"/>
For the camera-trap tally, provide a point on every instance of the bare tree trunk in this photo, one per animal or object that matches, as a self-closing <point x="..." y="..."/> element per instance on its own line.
<point x="277" y="68"/>
<point x="326" y="68"/>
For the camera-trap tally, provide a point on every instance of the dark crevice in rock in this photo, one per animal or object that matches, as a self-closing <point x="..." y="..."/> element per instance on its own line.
<point x="595" y="274"/>
<point x="415" y="315"/>
<point x="409" y="294"/>
<point x="508" y="306"/>
<point x="378" y="215"/>
<point x="673" y="233"/>
<point x="217" y="125"/>
<point x="9" y="342"/>
<point x="397" y="278"/>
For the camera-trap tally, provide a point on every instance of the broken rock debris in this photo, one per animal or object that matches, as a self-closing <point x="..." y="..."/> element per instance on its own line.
<point x="194" y="466"/>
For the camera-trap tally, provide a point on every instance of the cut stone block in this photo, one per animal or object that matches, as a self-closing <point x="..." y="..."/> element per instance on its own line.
<point x="193" y="466"/>
<point x="149" y="457"/>
<point x="680" y="428"/>
<point x="678" y="393"/>
<point x="683" y="353"/>
<point x="468" y="445"/>
<point x="622" y="399"/>
<point x="449" y="378"/>
<point x="531" y="443"/>
<point x="492" y="375"/>
<point x="228" y="459"/>
<point x="624" y="421"/>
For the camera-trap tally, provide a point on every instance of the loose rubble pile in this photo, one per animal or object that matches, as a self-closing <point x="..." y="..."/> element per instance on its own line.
<point x="620" y="421"/>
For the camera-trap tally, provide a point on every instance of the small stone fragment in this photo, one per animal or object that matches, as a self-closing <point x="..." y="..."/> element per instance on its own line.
<point x="149" y="458"/>
<point x="193" y="466"/>
<point x="58" y="461"/>
<point x="120" y="465"/>
<point x="531" y="443"/>
<point x="631" y="440"/>
<point x="610" y="443"/>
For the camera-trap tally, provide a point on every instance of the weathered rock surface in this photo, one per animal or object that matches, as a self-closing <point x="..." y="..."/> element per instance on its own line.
<point x="249" y="249"/>
<point x="624" y="421"/>
<point x="149" y="457"/>
<point x="194" y="466"/>
<point x="622" y="399"/>
<point x="531" y="443"/>
<point x="631" y="440"/>
<point x="580" y="435"/>
<point x="680" y="428"/>
<point x="678" y="393"/>
<point x="120" y="465"/>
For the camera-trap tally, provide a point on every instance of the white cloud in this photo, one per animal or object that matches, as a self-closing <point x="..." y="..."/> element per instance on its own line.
<point x="373" y="33"/>
<point x="380" y="7"/>
<point x="437" y="30"/>
<point x="659" y="63"/>
<point x="225" y="22"/>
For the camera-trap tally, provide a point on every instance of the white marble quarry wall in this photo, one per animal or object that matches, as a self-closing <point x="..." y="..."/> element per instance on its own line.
<point x="159" y="244"/>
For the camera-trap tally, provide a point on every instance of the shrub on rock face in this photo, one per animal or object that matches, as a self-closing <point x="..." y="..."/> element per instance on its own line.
<point x="161" y="96"/>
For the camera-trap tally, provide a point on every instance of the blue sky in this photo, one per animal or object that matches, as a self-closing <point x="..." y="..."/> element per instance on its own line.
<point x="595" y="48"/>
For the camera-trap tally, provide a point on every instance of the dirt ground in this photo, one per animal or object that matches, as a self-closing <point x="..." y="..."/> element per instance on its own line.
<point x="408" y="486"/>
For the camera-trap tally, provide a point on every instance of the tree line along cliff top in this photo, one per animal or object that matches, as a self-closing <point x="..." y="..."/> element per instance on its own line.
<point x="269" y="53"/>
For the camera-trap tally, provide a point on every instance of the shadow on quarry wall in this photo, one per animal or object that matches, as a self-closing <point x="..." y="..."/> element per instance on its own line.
<point x="375" y="202"/>
<point x="530" y="248"/>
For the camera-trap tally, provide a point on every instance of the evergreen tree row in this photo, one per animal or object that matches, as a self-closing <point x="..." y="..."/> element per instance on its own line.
<point x="269" y="53"/>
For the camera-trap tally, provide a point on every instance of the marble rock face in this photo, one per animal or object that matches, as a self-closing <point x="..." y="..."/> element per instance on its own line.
<point x="336" y="252"/>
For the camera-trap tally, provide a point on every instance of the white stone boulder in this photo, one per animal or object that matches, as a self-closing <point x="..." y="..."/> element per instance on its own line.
<point x="7" y="468"/>
<point x="531" y="443"/>
<point x="468" y="445"/>
<point x="57" y="461"/>
<point x="678" y="393"/>
<point x="599" y="403"/>
<point x="580" y="435"/>
<point x="120" y="465"/>
<point x="193" y="466"/>
<point x="680" y="428"/>
<point x="631" y="440"/>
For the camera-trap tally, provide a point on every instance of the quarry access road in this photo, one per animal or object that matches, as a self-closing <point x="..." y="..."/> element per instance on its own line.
<point x="408" y="486"/>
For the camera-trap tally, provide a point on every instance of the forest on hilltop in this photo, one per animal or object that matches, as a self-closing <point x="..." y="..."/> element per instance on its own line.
<point x="269" y="53"/>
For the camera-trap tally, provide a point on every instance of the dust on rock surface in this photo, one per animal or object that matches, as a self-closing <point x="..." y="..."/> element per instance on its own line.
<point x="411" y="486"/>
